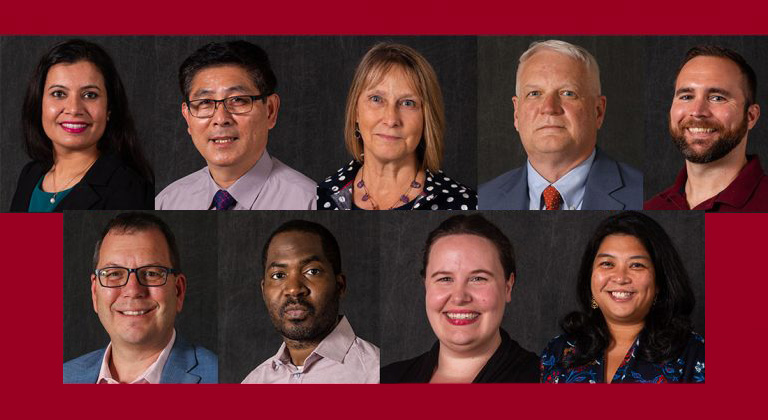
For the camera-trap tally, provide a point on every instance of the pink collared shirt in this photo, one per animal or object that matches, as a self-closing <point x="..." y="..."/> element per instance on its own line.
<point x="341" y="357"/>
<point x="150" y="376"/>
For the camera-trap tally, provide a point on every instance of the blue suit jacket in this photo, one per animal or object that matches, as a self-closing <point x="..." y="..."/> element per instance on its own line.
<point x="611" y="185"/>
<point x="187" y="364"/>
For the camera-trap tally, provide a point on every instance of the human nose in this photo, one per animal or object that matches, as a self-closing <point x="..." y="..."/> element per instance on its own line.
<point x="294" y="286"/>
<point x="132" y="287"/>
<point x="700" y="108"/>
<point x="551" y="104"/>
<point x="221" y="114"/>
<point x="621" y="275"/>
<point x="392" y="115"/>
<point x="73" y="105"/>
<point x="459" y="294"/>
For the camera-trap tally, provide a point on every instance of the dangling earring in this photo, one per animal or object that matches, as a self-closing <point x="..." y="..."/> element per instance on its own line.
<point x="593" y="305"/>
<point x="358" y="136"/>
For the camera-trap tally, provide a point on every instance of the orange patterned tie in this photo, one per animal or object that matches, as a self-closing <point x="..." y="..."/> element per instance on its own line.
<point x="552" y="198"/>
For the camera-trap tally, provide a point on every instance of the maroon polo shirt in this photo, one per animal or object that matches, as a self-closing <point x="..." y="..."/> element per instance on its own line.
<point x="747" y="193"/>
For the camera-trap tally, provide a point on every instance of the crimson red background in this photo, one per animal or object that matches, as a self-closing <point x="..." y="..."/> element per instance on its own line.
<point x="32" y="245"/>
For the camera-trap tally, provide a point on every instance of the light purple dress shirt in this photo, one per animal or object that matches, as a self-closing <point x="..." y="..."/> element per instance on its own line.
<point x="269" y="185"/>
<point x="341" y="358"/>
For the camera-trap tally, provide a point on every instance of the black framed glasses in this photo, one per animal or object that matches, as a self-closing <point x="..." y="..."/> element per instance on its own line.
<point x="241" y="104"/>
<point x="148" y="275"/>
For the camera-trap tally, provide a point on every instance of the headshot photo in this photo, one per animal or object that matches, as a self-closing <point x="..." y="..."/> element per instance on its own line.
<point x="299" y="298"/>
<point x="140" y="298"/>
<point x="459" y="313"/>
<point x="78" y="131"/>
<point x="394" y="129"/>
<point x="561" y="123"/>
<point x="705" y="101"/>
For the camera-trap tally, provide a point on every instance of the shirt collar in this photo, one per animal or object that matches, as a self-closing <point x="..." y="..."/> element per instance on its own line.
<point x="150" y="376"/>
<point x="334" y="346"/>
<point x="571" y="186"/>
<point x="735" y="195"/>
<point x="247" y="188"/>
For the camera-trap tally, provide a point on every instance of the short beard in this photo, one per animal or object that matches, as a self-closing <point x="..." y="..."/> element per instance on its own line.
<point x="323" y="324"/>
<point x="727" y="141"/>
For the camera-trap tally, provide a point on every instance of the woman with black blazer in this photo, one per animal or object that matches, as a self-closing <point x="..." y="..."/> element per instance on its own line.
<point x="80" y="135"/>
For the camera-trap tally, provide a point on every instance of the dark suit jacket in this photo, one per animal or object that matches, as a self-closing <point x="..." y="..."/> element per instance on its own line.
<point x="611" y="185"/>
<point x="108" y="185"/>
<point x="187" y="364"/>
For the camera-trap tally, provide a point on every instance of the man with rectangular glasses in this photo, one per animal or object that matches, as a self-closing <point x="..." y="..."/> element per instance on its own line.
<point x="230" y="105"/>
<point x="137" y="288"/>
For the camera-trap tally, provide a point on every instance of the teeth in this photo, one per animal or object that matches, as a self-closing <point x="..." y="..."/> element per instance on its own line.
<point x="134" y="313"/>
<point x="699" y="130"/>
<point x="621" y="295"/>
<point x="227" y="140"/>
<point x="74" y="126"/>
<point x="463" y="315"/>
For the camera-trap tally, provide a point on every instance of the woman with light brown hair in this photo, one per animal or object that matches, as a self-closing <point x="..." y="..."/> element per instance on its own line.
<point x="394" y="130"/>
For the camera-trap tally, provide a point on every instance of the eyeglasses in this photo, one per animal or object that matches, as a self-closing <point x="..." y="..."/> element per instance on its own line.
<point x="148" y="275"/>
<point x="242" y="104"/>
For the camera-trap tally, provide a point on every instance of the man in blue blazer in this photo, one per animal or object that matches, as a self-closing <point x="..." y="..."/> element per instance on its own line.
<point x="137" y="289"/>
<point x="558" y="111"/>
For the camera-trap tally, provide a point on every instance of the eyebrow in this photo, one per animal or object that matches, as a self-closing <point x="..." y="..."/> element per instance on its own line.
<point x="445" y="272"/>
<point x="305" y="261"/>
<point x="721" y="91"/>
<point x="604" y="255"/>
<point x="205" y="91"/>
<point x="82" y="87"/>
<point x="113" y="264"/>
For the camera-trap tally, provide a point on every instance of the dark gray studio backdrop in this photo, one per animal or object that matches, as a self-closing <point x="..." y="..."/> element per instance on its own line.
<point x="196" y="238"/>
<point x="548" y="248"/>
<point x="313" y="74"/>
<point x="662" y="159"/>
<point x="621" y="61"/>
<point x="247" y="337"/>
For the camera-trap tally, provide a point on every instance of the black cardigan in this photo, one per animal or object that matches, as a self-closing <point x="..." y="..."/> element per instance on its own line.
<point x="108" y="185"/>
<point x="509" y="364"/>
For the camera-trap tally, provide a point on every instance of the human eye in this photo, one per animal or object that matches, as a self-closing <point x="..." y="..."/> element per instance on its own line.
<point x="477" y="279"/>
<point x="409" y="103"/>
<point x="717" y="98"/>
<point x="444" y="279"/>
<point x="533" y="94"/>
<point x="90" y="95"/>
<point x="111" y="273"/>
<point x="605" y="264"/>
<point x="637" y="265"/>
<point x="313" y="271"/>
<point x="277" y="275"/>
<point x="59" y="94"/>
<point x="238" y="100"/>
<point x="568" y="93"/>
<point x="685" y="97"/>
<point x="153" y="272"/>
<point x="376" y="99"/>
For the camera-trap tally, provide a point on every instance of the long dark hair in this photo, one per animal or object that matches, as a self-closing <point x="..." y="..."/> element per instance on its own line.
<point x="667" y="325"/>
<point x="119" y="135"/>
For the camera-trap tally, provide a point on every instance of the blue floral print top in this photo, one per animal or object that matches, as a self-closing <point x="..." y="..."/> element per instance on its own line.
<point x="689" y="367"/>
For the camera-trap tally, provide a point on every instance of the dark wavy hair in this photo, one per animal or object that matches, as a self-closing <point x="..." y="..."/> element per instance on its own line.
<point x="473" y="224"/>
<point x="667" y="325"/>
<point x="119" y="135"/>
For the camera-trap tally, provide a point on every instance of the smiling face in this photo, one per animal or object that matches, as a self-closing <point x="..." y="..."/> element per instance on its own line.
<point x="227" y="141"/>
<point x="558" y="108"/>
<point x="466" y="292"/>
<point x="709" y="117"/>
<point x="300" y="290"/>
<point x="390" y="117"/>
<point x="74" y="114"/>
<point x="136" y="315"/>
<point x="623" y="280"/>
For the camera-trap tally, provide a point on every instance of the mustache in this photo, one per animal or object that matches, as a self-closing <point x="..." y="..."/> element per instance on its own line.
<point x="296" y="303"/>
<point x="701" y="124"/>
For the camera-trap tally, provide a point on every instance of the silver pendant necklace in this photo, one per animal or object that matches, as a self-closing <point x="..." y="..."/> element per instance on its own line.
<point x="53" y="181"/>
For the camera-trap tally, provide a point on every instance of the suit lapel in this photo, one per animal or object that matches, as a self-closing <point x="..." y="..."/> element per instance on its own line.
<point x="516" y="194"/>
<point x="181" y="360"/>
<point x="603" y="180"/>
